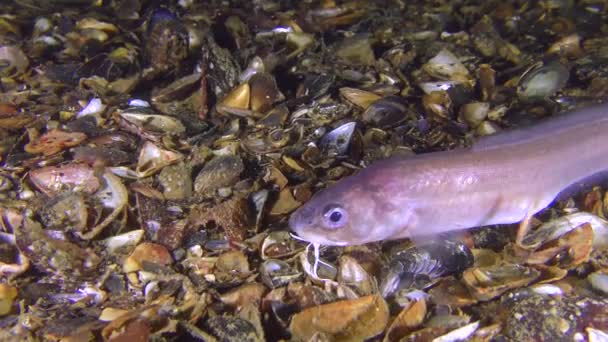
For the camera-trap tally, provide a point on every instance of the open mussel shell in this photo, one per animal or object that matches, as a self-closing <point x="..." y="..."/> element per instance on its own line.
<point x="149" y="125"/>
<point x="418" y="266"/>
<point x="554" y="229"/>
<point x="542" y="80"/>
<point x="486" y="283"/>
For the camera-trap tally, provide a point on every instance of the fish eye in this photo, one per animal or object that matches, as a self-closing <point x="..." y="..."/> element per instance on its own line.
<point x="334" y="216"/>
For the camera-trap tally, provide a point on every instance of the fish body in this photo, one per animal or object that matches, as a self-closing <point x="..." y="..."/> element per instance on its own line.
<point x="499" y="180"/>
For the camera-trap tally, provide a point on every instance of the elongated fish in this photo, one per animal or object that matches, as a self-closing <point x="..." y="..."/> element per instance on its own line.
<point x="501" y="179"/>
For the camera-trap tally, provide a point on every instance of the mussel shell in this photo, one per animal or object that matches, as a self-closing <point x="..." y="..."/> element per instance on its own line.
<point x="386" y="111"/>
<point x="264" y="92"/>
<point x="415" y="266"/>
<point x="338" y="140"/>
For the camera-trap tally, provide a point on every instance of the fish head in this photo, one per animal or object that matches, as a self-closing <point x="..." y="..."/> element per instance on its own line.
<point x="352" y="212"/>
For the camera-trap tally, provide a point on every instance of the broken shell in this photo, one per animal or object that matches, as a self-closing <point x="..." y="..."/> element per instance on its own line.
<point x="54" y="141"/>
<point x="599" y="281"/>
<point x="255" y="65"/>
<point x="279" y="244"/>
<point x="487" y="82"/>
<point x="277" y="273"/>
<point x="352" y="274"/>
<point x="298" y="42"/>
<point x="446" y="66"/>
<point x="284" y="204"/>
<point x="406" y="321"/>
<point x="12" y="262"/>
<point x="152" y="159"/>
<point x="75" y="177"/>
<point x="238" y="97"/>
<point x="542" y="80"/>
<point x="92" y="23"/>
<point x="259" y="199"/>
<point x="244" y="295"/>
<point x="114" y="197"/>
<point x="264" y="92"/>
<point x="451" y="292"/>
<point x="356" y="50"/>
<point x="275" y="117"/>
<point x="438" y="104"/>
<point x="474" y="113"/>
<point x="358" y="97"/>
<point x="13" y="61"/>
<point x="460" y="334"/>
<point x="348" y="320"/>
<point x="7" y="297"/>
<point x="430" y="87"/>
<point x="124" y="242"/>
<point x="487" y="128"/>
<point x="569" y="46"/>
<point x="146" y="252"/>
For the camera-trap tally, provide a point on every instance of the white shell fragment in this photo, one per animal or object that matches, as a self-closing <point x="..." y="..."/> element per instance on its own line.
<point x="599" y="281"/>
<point x="95" y="106"/>
<point x="446" y="66"/>
<point x="13" y="60"/>
<point x="152" y="159"/>
<point x="459" y="334"/>
<point x="128" y="239"/>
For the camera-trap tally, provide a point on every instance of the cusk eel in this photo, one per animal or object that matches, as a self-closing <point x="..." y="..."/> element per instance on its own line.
<point x="501" y="179"/>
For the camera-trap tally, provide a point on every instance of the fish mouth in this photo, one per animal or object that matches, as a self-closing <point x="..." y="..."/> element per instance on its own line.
<point x="314" y="239"/>
<point x="294" y="223"/>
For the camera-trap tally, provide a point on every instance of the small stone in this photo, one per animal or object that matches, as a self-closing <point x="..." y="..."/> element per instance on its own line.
<point x="176" y="181"/>
<point x="220" y="172"/>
